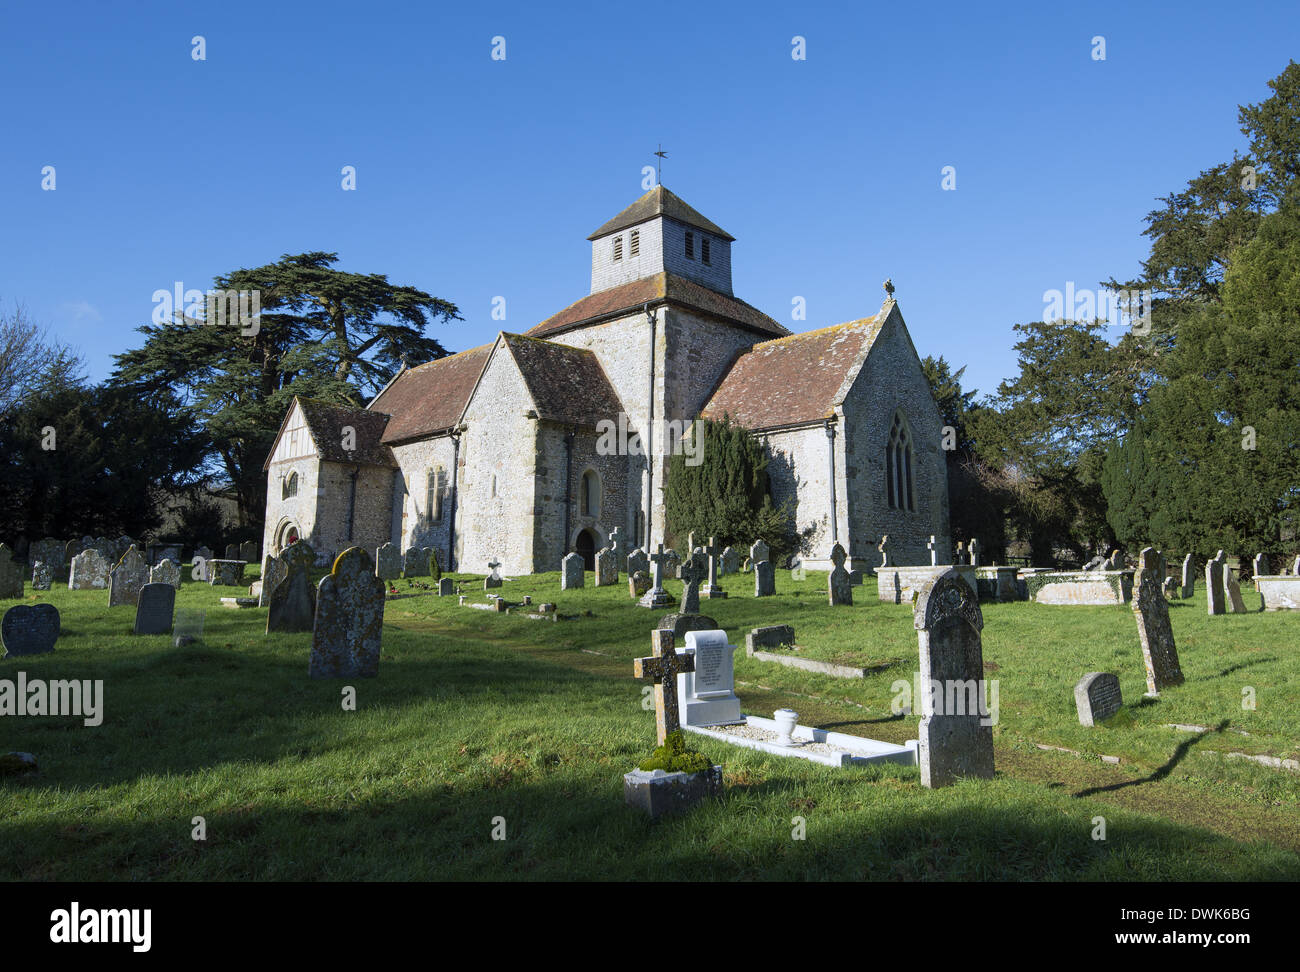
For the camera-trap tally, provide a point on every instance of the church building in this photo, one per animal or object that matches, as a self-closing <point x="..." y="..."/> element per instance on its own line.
<point x="501" y="452"/>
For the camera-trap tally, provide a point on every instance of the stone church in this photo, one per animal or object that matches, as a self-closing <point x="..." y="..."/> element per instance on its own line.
<point x="498" y="452"/>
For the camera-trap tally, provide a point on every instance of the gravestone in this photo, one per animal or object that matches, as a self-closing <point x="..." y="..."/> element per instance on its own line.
<point x="1116" y="560"/>
<point x="493" y="578"/>
<point x="673" y="562"/>
<point x="837" y="583"/>
<point x="933" y="547"/>
<point x="638" y="584"/>
<point x="764" y="579"/>
<point x="126" y="579"/>
<point x="232" y="551"/>
<point x="248" y="551"/>
<point x="662" y="667"/>
<point x="1152" y="614"/>
<point x="691" y="573"/>
<point x="388" y="562"/>
<point x="712" y="552"/>
<point x="606" y="567"/>
<point x="571" y="572"/>
<point x="349" y="624"/>
<point x="49" y="552"/>
<point x="657" y="597"/>
<point x="11" y="574"/>
<point x="707" y="694"/>
<point x="682" y="624"/>
<point x="416" y="562"/>
<point x="770" y="636"/>
<point x="166" y="572"/>
<point x="638" y="562"/>
<point x="1097" y="697"/>
<point x="1233" y="589"/>
<point x="758" y="550"/>
<point x="446" y="586"/>
<point x="1171" y="588"/>
<point x="29" y="629"/>
<point x="1188" y="586"/>
<point x="730" y="562"/>
<point x="619" y="546"/>
<point x="42" y="576"/>
<point x="973" y="551"/>
<point x="274" y="571"/>
<point x="885" y="550"/>
<point x="292" y="604"/>
<point x="89" y="571"/>
<point x="226" y="573"/>
<point x="153" y="609"/>
<point x="957" y="743"/>
<point x="1214" y="584"/>
<point x="1295" y="567"/>
<point x="1259" y="566"/>
<point x="71" y="549"/>
<point x="960" y="557"/>
<point x="203" y="552"/>
<point x="105" y="547"/>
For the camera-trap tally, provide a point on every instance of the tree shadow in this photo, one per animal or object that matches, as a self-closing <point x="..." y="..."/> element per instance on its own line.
<point x="1239" y="666"/>
<point x="861" y="722"/>
<point x="1179" y="754"/>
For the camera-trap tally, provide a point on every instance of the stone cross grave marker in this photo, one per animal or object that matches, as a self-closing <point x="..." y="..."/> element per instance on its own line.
<point x="89" y="571"/>
<point x="657" y="596"/>
<point x="711" y="588"/>
<point x="42" y="576"/>
<point x="154" y="608"/>
<point x="493" y="578"/>
<point x="934" y="551"/>
<point x="29" y="629"/>
<point x="758" y="550"/>
<point x="691" y="572"/>
<point x="885" y="549"/>
<point x="606" y="566"/>
<point x="663" y="666"/>
<point x="1097" y="697"/>
<point x="1214" y="584"/>
<point x="956" y="743"/>
<point x="837" y="582"/>
<point x="764" y="579"/>
<point x="388" y="561"/>
<point x="571" y="569"/>
<point x="11" y="575"/>
<point x="1151" y="611"/>
<point x="126" y="579"/>
<point x="1188" y="586"/>
<point x="292" y="604"/>
<point x="349" y="625"/>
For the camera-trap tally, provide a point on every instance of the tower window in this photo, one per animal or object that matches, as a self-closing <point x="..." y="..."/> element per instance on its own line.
<point x="634" y="243"/>
<point x="704" y="250"/>
<point x="618" y="248"/>
<point x="690" y="245"/>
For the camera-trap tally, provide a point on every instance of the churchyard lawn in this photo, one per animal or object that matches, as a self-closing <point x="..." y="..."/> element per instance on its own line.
<point x="477" y="716"/>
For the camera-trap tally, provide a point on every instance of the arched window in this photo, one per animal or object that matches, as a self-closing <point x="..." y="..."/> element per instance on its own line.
<point x="589" y="494"/>
<point x="290" y="486"/>
<point x="898" y="466"/>
<point x="436" y="494"/>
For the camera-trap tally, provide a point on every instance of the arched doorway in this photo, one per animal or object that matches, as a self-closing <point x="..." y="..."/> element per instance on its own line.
<point x="286" y="536"/>
<point x="585" y="547"/>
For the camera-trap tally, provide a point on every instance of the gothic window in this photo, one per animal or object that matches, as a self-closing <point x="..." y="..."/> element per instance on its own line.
<point x="634" y="243"/>
<point x="290" y="486"/>
<point x="589" y="494"/>
<point x="899" y="489"/>
<point x="618" y="248"/>
<point x="690" y="245"/>
<point x="704" y="250"/>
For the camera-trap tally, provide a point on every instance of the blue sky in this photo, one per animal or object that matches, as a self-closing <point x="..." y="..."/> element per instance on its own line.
<point x="478" y="178"/>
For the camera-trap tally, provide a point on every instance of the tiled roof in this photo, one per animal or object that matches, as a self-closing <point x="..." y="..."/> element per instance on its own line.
<point x="567" y="384"/>
<point x="430" y="398"/>
<point x="660" y="202"/>
<point x="796" y="379"/>
<point x="662" y="286"/>
<point x="326" y="423"/>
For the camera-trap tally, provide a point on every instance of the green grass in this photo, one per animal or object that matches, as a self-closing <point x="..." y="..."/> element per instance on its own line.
<point x="476" y="716"/>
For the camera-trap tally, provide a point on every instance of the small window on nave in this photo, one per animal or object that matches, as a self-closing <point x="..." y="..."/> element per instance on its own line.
<point x="589" y="494"/>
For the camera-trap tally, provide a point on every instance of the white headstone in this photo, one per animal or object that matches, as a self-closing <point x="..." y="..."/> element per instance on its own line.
<point x="707" y="696"/>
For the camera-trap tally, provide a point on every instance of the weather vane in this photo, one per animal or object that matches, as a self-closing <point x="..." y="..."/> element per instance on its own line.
<point x="661" y="154"/>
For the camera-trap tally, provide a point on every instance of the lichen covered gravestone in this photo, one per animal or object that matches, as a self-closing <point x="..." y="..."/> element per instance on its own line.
<point x="1188" y="586"/>
<point x="758" y="550"/>
<point x="388" y="562"/>
<point x="606" y="567"/>
<point x="837" y="582"/>
<point x="154" y="608"/>
<point x="126" y="579"/>
<point x="42" y="576"/>
<point x="166" y="572"/>
<point x="1152" y="614"/>
<point x="49" y="552"/>
<point x="730" y="562"/>
<point x="89" y="571"/>
<point x="292" y="604"/>
<point x="571" y="572"/>
<point x="1232" y="586"/>
<point x="349" y="624"/>
<point x="226" y="573"/>
<point x="29" y="629"/>
<point x="416" y="562"/>
<point x="764" y="579"/>
<point x="1097" y="697"/>
<point x="957" y="743"/>
<point x="1214" y="584"/>
<point x="11" y="574"/>
<point x="638" y="561"/>
<point x="274" y="571"/>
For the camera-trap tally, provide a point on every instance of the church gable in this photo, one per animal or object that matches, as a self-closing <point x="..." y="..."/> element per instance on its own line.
<point x="331" y="433"/>
<point x="567" y="384"/>
<point x="429" y="400"/>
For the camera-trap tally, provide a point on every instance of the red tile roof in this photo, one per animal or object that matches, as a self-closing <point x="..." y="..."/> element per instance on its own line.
<point x="430" y="398"/>
<point x="660" y="287"/>
<point x="567" y="384"/>
<point x="796" y="379"/>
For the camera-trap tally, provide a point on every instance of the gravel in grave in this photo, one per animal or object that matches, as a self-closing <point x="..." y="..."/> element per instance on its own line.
<point x="767" y="735"/>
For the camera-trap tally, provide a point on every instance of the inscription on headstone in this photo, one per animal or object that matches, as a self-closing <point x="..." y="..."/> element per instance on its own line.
<point x="349" y="624"/>
<point x="1097" y="697"/>
<point x="29" y="629"/>
<point x="153" y="609"/>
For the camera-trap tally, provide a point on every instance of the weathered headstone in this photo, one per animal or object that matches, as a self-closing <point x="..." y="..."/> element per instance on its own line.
<point x="657" y="596"/>
<point x="837" y="582"/>
<point x="673" y="562"/>
<point x="29" y="629"/>
<point x="1259" y="566"/>
<point x="89" y="571"/>
<point x="1152" y="614"/>
<point x="956" y="743"/>
<point x="662" y="667"/>
<point x="691" y="573"/>
<point x="758" y="550"/>
<point x="730" y="562"/>
<point x="349" y="623"/>
<point x="126" y="579"/>
<point x="11" y="574"/>
<point x="49" y="552"/>
<point x="1116" y="560"/>
<point x="1097" y="697"/>
<point x="153" y="609"/>
<point x="232" y="551"/>
<point x="416" y="562"/>
<point x="388" y="562"/>
<point x="606" y="567"/>
<point x="493" y="578"/>
<point x="619" y="546"/>
<point x="292" y="604"/>
<point x="1171" y="589"/>
<point x="683" y="624"/>
<point x="446" y="587"/>
<point x="71" y="549"/>
<point x="1295" y="567"/>
<point x="638" y="584"/>
<point x="571" y="572"/>
<point x="770" y="636"/>
<point x="1214" y="584"/>
<point x="274" y="571"/>
<point x="884" y="549"/>
<point x="42" y="576"/>
<point x="166" y="572"/>
<point x="226" y="573"/>
<point x="637" y="561"/>
<point x="1188" y="586"/>
<point x="764" y="579"/>
<point x="1233" y="589"/>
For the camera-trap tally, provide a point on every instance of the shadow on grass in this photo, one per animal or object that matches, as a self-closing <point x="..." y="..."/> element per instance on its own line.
<point x="1179" y="754"/>
<point x="862" y="722"/>
<point x="1239" y="666"/>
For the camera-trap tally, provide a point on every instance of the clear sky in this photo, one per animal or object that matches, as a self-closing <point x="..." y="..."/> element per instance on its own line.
<point x="479" y="178"/>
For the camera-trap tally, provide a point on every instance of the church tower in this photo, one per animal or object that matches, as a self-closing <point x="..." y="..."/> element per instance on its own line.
<point x="660" y="233"/>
